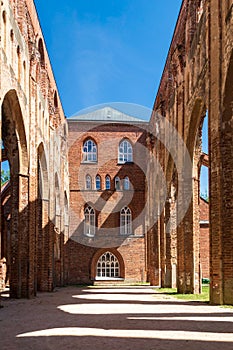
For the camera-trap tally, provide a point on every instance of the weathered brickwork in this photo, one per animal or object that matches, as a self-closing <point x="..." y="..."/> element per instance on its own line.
<point x="197" y="80"/>
<point x="204" y="238"/>
<point x="42" y="220"/>
<point x="33" y="132"/>
<point x="107" y="203"/>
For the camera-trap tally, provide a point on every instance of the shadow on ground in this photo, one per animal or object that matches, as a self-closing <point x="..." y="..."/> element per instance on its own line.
<point x="83" y="318"/>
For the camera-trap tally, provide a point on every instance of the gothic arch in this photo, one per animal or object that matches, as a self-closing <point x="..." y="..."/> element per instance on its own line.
<point x="43" y="172"/>
<point x="57" y="202"/>
<point x="66" y="216"/>
<point x="15" y="148"/>
<point x="41" y="52"/>
<point x="226" y="124"/>
<point x="13" y="130"/>
<point x="44" y="246"/>
<point x="198" y="112"/>
<point x="191" y="222"/>
<point x="99" y="253"/>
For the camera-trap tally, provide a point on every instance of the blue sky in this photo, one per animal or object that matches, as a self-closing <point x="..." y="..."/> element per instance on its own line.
<point x="109" y="50"/>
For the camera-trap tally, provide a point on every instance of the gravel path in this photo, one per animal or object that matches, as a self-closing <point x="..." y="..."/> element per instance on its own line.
<point x="118" y="318"/>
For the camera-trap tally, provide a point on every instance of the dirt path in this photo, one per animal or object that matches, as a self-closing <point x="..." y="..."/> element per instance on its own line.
<point x="115" y="319"/>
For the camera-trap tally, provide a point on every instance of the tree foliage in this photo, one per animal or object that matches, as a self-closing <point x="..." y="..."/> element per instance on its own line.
<point x="5" y="176"/>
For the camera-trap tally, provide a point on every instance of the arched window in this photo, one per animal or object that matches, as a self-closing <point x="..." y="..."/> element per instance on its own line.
<point x="108" y="266"/>
<point x="41" y="51"/>
<point x="88" y="182"/>
<point x="89" y="151"/>
<point x="89" y="222"/>
<point x="97" y="182"/>
<point x="107" y="183"/>
<point x="117" y="183"/>
<point x="125" y="152"/>
<point x="126" y="183"/>
<point x="4" y="26"/>
<point x="55" y="99"/>
<point x="126" y="221"/>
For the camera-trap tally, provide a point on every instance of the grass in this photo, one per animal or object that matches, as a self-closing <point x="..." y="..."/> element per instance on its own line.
<point x="227" y="306"/>
<point x="204" y="296"/>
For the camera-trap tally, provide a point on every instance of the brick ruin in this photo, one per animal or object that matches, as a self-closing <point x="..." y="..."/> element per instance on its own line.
<point x="107" y="199"/>
<point x="33" y="135"/>
<point x="196" y="82"/>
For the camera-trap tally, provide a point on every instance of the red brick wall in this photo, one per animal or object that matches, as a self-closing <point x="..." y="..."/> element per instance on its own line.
<point x="204" y="238"/>
<point x="79" y="261"/>
<point x="107" y="203"/>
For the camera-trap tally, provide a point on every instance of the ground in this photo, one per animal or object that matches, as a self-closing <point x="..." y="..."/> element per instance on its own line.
<point x="130" y="318"/>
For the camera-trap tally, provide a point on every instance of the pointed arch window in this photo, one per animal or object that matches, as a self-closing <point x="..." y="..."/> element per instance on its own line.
<point x="107" y="183"/>
<point x="89" y="151"/>
<point x="125" y="152"/>
<point x="126" y="221"/>
<point x="89" y="221"/>
<point x="108" y="266"/>
<point x="126" y="184"/>
<point x="98" y="183"/>
<point x="117" y="183"/>
<point x="88" y="182"/>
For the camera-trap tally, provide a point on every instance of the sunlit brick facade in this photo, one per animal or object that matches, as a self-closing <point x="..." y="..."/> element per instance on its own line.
<point x="107" y="159"/>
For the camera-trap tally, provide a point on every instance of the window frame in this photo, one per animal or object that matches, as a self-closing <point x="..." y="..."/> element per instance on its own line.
<point x="125" y="152"/>
<point x="89" y="221"/>
<point x="88" y="180"/>
<point x="117" y="183"/>
<point x="108" y="268"/>
<point x="126" y="221"/>
<point x="89" y="156"/>
<point x="107" y="178"/>
<point x="98" y="179"/>
<point x="126" y="183"/>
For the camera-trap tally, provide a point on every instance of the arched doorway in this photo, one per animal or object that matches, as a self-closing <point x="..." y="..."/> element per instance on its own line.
<point x="14" y="150"/>
<point x="188" y="237"/>
<point x="44" y="239"/>
<point x="58" y="237"/>
<point x="107" y="265"/>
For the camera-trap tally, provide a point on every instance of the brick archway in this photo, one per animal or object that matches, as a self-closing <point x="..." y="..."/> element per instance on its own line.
<point x="15" y="150"/>
<point x="221" y="263"/>
<point x="97" y="256"/>
<point x="45" y="243"/>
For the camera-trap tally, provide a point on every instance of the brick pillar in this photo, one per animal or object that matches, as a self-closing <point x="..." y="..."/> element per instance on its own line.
<point x="154" y="253"/>
<point x="221" y="126"/>
<point x="168" y="274"/>
<point x="39" y="245"/>
<point x="173" y="240"/>
<point x="20" y="286"/>
<point x="47" y="262"/>
<point x="196" y="238"/>
<point x="188" y="246"/>
<point x="23" y="232"/>
<point x="153" y="235"/>
<point x="57" y="250"/>
<point x="51" y="259"/>
<point x="181" y="285"/>
<point x="216" y="248"/>
<point x="226" y="174"/>
<point x="162" y="237"/>
<point x="43" y="248"/>
<point x="15" y="275"/>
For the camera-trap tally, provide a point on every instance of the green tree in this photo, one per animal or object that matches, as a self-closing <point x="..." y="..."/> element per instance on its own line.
<point x="5" y="176"/>
<point x="205" y="196"/>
